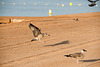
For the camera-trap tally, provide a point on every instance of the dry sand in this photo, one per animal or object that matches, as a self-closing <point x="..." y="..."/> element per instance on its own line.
<point x="67" y="36"/>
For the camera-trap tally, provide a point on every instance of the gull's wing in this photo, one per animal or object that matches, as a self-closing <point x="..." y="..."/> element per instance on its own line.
<point x="76" y="55"/>
<point x="96" y="0"/>
<point x="36" y="31"/>
<point x="90" y="1"/>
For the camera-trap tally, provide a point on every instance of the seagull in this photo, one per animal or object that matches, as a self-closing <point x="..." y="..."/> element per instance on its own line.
<point x="76" y="19"/>
<point x="37" y="33"/>
<point x="93" y="3"/>
<point x="78" y="55"/>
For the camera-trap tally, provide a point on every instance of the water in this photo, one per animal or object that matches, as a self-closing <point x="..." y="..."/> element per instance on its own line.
<point x="29" y="9"/>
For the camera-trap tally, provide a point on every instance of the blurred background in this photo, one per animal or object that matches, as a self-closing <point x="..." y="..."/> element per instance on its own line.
<point x="37" y="8"/>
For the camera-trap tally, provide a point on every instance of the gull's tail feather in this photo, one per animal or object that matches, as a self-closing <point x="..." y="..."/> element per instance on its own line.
<point x="33" y="40"/>
<point x="67" y="55"/>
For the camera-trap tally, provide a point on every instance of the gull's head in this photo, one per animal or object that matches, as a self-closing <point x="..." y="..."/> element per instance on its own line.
<point x="83" y="50"/>
<point x="45" y="34"/>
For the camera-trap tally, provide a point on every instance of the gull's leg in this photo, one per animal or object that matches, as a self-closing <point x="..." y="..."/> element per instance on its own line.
<point x="41" y="41"/>
<point x="77" y="61"/>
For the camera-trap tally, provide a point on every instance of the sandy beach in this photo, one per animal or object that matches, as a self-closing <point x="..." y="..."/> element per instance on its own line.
<point x="66" y="36"/>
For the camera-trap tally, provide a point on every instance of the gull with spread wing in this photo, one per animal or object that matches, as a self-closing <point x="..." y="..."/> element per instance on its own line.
<point x="37" y="33"/>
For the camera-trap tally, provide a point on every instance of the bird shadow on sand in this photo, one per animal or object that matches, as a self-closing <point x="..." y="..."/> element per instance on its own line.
<point x="91" y="60"/>
<point x="60" y="43"/>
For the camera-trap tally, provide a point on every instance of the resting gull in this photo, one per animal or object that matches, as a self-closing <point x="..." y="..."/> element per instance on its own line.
<point x="78" y="55"/>
<point x="76" y="19"/>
